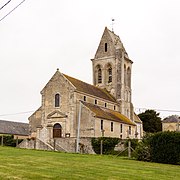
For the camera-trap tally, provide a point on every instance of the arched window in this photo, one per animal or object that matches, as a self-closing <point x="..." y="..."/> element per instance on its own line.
<point x="99" y="75"/>
<point x="57" y="130"/>
<point x="110" y="74"/>
<point x="125" y="75"/>
<point x="128" y="77"/>
<point x="57" y="100"/>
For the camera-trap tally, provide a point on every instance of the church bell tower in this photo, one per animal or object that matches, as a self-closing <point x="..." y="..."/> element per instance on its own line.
<point x="112" y="70"/>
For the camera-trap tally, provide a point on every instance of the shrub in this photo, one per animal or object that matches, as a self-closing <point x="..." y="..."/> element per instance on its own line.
<point x="142" y="151"/>
<point x="134" y="143"/>
<point x="161" y="147"/>
<point x="108" y="144"/>
<point x="8" y="140"/>
<point x="165" y="147"/>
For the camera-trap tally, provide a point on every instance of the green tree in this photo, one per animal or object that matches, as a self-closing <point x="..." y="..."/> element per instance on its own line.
<point x="151" y="121"/>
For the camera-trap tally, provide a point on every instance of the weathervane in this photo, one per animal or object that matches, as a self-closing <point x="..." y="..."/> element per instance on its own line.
<point x="112" y="24"/>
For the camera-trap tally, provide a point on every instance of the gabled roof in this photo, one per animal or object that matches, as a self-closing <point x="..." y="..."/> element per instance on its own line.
<point x="14" y="128"/>
<point x="108" y="114"/>
<point x="90" y="89"/>
<point x="171" y="119"/>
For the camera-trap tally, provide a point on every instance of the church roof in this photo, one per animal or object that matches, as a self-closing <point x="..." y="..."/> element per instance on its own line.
<point x="108" y="114"/>
<point x="118" y="43"/>
<point x="14" y="128"/>
<point x="171" y="119"/>
<point x="90" y="89"/>
<point x="137" y="119"/>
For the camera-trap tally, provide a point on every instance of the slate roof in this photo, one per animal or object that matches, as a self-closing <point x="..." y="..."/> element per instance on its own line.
<point x="14" y="128"/>
<point x="171" y="119"/>
<point x="90" y="89"/>
<point x="108" y="114"/>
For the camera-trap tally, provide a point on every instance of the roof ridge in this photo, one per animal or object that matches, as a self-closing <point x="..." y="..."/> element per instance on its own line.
<point x="103" y="91"/>
<point x="12" y="121"/>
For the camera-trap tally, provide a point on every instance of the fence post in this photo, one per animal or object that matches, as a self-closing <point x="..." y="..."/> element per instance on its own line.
<point x="2" y="140"/>
<point x="54" y="144"/>
<point x="101" y="147"/>
<point x="129" y="148"/>
<point x="16" y="141"/>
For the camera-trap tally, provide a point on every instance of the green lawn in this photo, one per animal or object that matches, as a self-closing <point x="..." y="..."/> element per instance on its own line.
<point x="31" y="164"/>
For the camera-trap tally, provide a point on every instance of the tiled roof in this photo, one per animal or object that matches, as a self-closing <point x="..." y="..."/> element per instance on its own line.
<point x="108" y="114"/>
<point x="14" y="128"/>
<point x="90" y="89"/>
<point x="171" y="119"/>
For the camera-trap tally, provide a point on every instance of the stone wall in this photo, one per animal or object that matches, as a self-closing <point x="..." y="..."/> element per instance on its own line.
<point x="60" y="144"/>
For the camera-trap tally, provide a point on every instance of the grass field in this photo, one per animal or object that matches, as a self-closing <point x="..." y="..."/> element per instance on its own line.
<point x="31" y="164"/>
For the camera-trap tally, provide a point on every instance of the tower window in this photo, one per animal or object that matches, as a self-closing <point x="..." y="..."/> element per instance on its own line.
<point x="110" y="75"/>
<point x="114" y="107"/>
<point x="99" y="75"/>
<point x="105" y="47"/>
<point x="57" y="100"/>
<point x="105" y="104"/>
<point x="95" y="101"/>
<point x="101" y="125"/>
<point x="111" y="126"/>
<point x="84" y="98"/>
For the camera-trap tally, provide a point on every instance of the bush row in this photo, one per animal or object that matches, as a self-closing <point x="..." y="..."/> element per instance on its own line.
<point x="9" y="140"/>
<point x="161" y="147"/>
<point x="108" y="144"/>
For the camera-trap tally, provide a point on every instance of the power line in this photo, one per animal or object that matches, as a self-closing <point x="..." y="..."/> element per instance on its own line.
<point x="165" y="110"/>
<point x="5" y="4"/>
<point x="11" y="10"/>
<point x="16" y="113"/>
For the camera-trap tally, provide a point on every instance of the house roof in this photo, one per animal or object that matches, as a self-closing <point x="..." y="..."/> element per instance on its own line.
<point x="14" y="128"/>
<point x="108" y="114"/>
<point x="90" y="89"/>
<point x="171" y="119"/>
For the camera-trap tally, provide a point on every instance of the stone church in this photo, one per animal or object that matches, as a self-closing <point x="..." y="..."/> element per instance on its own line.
<point x="73" y="110"/>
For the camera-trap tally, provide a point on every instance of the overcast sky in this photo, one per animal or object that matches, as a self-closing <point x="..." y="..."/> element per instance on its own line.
<point x="41" y="36"/>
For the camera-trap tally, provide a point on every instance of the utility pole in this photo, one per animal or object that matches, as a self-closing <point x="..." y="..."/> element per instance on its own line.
<point x="101" y="143"/>
<point x="78" y="127"/>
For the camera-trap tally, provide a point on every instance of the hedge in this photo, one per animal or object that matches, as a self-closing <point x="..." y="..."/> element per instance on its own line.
<point x="165" y="147"/>
<point x="8" y="140"/>
<point x="161" y="147"/>
<point x="108" y="144"/>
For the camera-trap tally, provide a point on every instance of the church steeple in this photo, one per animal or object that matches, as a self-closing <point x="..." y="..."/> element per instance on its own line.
<point x="112" y="69"/>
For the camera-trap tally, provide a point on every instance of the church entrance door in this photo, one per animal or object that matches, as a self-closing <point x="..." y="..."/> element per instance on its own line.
<point x="57" y="130"/>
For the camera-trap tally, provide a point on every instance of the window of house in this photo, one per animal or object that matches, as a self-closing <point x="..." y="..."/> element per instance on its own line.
<point x="101" y="125"/>
<point x="99" y="75"/>
<point x="57" y="100"/>
<point x="84" y="98"/>
<point x="105" y="104"/>
<point x="129" y="130"/>
<point x="110" y="75"/>
<point x="114" y="107"/>
<point x="121" y="128"/>
<point x="111" y="126"/>
<point x="105" y="47"/>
